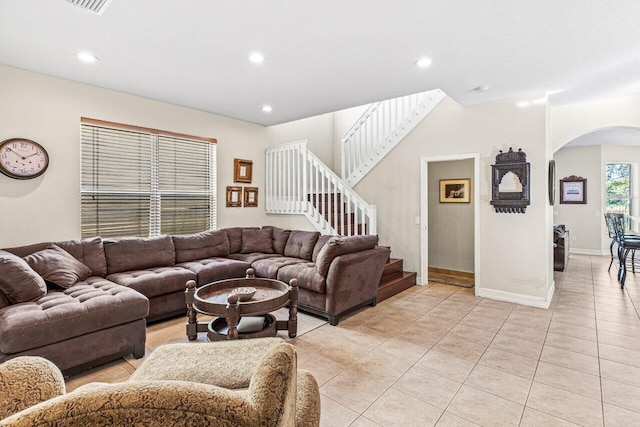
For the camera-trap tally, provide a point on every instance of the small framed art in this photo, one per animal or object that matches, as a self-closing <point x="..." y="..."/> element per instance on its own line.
<point x="573" y="190"/>
<point x="242" y="171"/>
<point x="250" y="197"/>
<point x="455" y="190"/>
<point x="234" y="197"/>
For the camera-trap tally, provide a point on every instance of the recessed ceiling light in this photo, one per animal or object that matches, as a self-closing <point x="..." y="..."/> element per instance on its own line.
<point x="267" y="109"/>
<point x="256" y="58"/>
<point x="523" y="103"/>
<point x="87" y="57"/>
<point x="423" y="62"/>
<point x="481" y="89"/>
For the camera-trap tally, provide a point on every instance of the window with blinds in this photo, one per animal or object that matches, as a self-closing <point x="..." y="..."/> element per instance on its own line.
<point x="144" y="182"/>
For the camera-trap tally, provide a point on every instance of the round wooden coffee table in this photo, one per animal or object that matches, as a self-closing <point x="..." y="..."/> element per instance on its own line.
<point x="217" y="299"/>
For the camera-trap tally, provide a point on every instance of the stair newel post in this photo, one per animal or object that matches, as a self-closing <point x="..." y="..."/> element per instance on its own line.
<point x="293" y="308"/>
<point x="192" y="321"/>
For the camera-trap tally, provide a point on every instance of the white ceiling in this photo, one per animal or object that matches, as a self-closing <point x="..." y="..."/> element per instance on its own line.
<point x="327" y="55"/>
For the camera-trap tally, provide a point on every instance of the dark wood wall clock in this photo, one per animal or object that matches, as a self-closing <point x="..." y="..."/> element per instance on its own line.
<point x="22" y="158"/>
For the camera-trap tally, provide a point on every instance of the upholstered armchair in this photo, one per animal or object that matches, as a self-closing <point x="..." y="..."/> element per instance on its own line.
<point x="32" y="390"/>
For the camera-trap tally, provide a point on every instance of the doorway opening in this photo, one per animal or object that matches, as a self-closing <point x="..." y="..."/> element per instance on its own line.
<point x="450" y="226"/>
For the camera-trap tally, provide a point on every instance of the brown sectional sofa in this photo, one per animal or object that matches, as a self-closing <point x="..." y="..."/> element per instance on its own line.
<point x="101" y="315"/>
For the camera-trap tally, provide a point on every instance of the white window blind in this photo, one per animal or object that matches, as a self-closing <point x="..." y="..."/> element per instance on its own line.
<point x="141" y="182"/>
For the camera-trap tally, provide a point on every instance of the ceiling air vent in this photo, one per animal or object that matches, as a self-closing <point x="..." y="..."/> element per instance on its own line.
<point x="95" y="6"/>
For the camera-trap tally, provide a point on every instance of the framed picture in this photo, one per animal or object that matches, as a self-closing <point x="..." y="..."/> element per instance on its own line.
<point x="242" y="170"/>
<point x="573" y="190"/>
<point x="250" y="197"/>
<point x="234" y="197"/>
<point x="455" y="190"/>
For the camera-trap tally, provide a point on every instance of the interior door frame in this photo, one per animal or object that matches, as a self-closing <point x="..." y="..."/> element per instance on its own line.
<point x="424" y="213"/>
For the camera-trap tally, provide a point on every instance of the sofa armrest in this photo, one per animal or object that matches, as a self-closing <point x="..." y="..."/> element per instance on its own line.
<point x="26" y="381"/>
<point x="353" y="279"/>
<point x="172" y="403"/>
<point x="307" y="400"/>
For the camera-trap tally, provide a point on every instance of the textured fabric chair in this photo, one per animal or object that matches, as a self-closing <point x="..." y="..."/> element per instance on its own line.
<point x="276" y="394"/>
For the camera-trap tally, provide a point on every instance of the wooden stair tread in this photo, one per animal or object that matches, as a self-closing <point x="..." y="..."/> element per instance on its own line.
<point x="393" y="267"/>
<point x="391" y="286"/>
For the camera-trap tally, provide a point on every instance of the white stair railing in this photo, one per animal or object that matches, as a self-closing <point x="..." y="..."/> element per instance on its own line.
<point x="381" y="128"/>
<point x="298" y="183"/>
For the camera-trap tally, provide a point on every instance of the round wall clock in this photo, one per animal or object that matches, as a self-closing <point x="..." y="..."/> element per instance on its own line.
<point x="22" y="158"/>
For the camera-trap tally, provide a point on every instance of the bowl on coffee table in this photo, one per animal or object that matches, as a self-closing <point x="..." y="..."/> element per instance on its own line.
<point x="245" y="293"/>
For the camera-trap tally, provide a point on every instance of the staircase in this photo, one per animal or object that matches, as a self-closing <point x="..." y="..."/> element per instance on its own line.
<point x="380" y="129"/>
<point x="394" y="280"/>
<point x="334" y="211"/>
<point x="298" y="183"/>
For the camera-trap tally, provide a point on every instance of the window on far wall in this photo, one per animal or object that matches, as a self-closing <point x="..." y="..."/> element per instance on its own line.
<point x="145" y="182"/>
<point x="619" y="194"/>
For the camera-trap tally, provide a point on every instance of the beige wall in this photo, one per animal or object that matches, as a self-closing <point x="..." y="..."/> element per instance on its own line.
<point x="584" y="222"/>
<point x="514" y="248"/>
<point x="572" y="121"/>
<point x="317" y="130"/>
<point x="451" y="228"/>
<point x="48" y="110"/>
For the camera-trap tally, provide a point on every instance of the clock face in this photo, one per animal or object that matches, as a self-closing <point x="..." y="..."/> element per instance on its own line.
<point x="22" y="158"/>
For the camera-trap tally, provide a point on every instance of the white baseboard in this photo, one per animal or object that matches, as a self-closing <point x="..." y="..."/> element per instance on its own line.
<point x="597" y="252"/>
<point x="517" y="298"/>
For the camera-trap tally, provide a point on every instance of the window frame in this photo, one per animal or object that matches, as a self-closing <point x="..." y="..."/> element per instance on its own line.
<point x="155" y="193"/>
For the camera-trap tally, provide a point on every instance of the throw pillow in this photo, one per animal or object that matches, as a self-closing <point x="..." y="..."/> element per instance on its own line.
<point x="58" y="266"/>
<point x="301" y="243"/>
<point x="280" y="237"/>
<point x="18" y="281"/>
<point x="256" y="241"/>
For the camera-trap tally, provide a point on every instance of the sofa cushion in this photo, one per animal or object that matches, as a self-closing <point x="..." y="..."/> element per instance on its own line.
<point x="213" y="269"/>
<point x="58" y="266"/>
<point x="280" y="237"/>
<point x="212" y="243"/>
<point x="300" y="244"/>
<point x="342" y="245"/>
<point x="4" y="301"/>
<point x="18" y="281"/>
<point x="307" y="275"/>
<point x="268" y="267"/>
<point x="256" y="241"/>
<point x="87" y="306"/>
<point x="23" y="251"/>
<point x="136" y="253"/>
<point x="90" y="252"/>
<point x="250" y="258"/>
<point x="319" y="245"/>
<point x="155" y="281"/>
<point x="234" y="234"/>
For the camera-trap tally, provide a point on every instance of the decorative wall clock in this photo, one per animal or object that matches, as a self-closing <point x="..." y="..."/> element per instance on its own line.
<point x="22" y="158"/>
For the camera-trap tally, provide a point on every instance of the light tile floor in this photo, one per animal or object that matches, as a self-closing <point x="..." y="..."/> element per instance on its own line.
<point x="438" y="355"/>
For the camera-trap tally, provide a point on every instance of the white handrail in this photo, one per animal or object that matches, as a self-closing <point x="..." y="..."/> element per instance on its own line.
<point x="299" y="183"/>
<point x="380" y="128"/>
